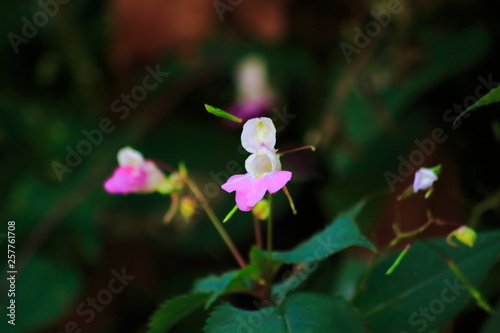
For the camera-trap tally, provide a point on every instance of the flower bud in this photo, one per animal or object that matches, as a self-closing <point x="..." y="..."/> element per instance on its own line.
<point x="464" y="235"/>
<point x="424" y="178"/>
<point x="262" y="209"/>
<point x="187" y="208"/>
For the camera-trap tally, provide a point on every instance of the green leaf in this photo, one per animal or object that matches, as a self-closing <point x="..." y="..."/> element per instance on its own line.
<point x="493" y="96"/>
<point x="222" y="113"/>
<point x="238" y="280"/>
<point x="423" y="293"/>
<point x="346" y="275"/>
<point x="46" y="290"/>
<point x="492" y="325"/>
<point x="294" y="280"/>
<point x="301" y="313"/>
<point x="216" y="286"/>
<point x="260" y="265"/>
<point x="213" y="282"/>
<point x="342" y="233"/>
<point x="174" y="310"/>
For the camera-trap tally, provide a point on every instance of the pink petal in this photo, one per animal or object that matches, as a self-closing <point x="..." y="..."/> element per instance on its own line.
<point x="256" y="191"/>
<point x="237" y="182"/>
<point x="275" y="181"/>
<point x="126" y="180"/>
<point x="250" y="190"/>
<point x="242" y="201"/>
<point x="241" y="184"/>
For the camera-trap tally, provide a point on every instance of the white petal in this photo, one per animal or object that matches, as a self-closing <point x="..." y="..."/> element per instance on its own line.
<point x="424" y="178"/>
<point x="130" y="157"/>
<point x="261" y="162"/>
<point x="258" y="133"/>
<point x="155" y="177"/>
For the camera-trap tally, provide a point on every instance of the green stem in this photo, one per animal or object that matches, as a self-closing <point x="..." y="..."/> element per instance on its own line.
<point x="258" y="233"/>
<point x="399" y="236"/>
<point x="174" y="205"/>
<point x="310" y="147"/>
<point x="409" y="234"/>
<point x="398" y="259"/>
<point x="230" y="214"/>
<point x="217" y="224"/>
<point x="481" y="208"/>
<point x="270" y="230"/>
<point x="268" y="275"/>
<point x="290" y="200"/>
<point x="476" y="294"/>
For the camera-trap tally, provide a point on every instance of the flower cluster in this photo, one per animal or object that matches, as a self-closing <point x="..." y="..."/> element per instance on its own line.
<point x="263" y="165"/>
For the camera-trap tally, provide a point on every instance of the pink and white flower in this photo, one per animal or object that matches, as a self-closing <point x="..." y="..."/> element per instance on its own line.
<point x="263" y="165"/>
<point x="134" y="174"/>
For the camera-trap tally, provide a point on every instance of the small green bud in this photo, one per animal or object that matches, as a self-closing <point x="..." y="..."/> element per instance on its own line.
<point x="182" y="169"/>
<point x="187" y="208"/>
<point x="262" y="209"/>
<point x="165" y="187"/>
<point x="172" y="183"/>
<point x="464" y="235"/>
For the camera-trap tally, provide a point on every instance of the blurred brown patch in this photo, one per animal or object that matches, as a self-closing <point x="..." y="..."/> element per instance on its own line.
<point x="145" y="30"/>
<point x="267" y="20"/>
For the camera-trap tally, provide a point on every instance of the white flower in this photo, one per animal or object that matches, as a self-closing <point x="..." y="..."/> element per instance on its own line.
<point x="424" y="178"/>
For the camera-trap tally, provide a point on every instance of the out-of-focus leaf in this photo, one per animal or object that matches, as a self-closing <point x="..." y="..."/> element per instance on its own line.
<point x="301" y="313"/>
<point x="45" y="290"/>
<point x="492" y="325"/>
<point x="423" y="293"/>
<point x="217" y="286"/>
<point x="493" y="96"/>
<point x="238" y="280"/>
<point x="174" y="310"/>
<point x="340" y="234"/>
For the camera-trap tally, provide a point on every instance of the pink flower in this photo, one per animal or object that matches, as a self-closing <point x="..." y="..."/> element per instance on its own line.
<point x="263" y="166"/>
<point x="134" y="174"/>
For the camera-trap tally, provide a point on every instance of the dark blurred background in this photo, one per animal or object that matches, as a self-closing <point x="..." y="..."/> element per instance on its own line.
<point x="361" y="96"/>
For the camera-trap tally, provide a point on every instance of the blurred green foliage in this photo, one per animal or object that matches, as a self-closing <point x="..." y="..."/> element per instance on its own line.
<point x="362" y="115"/>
